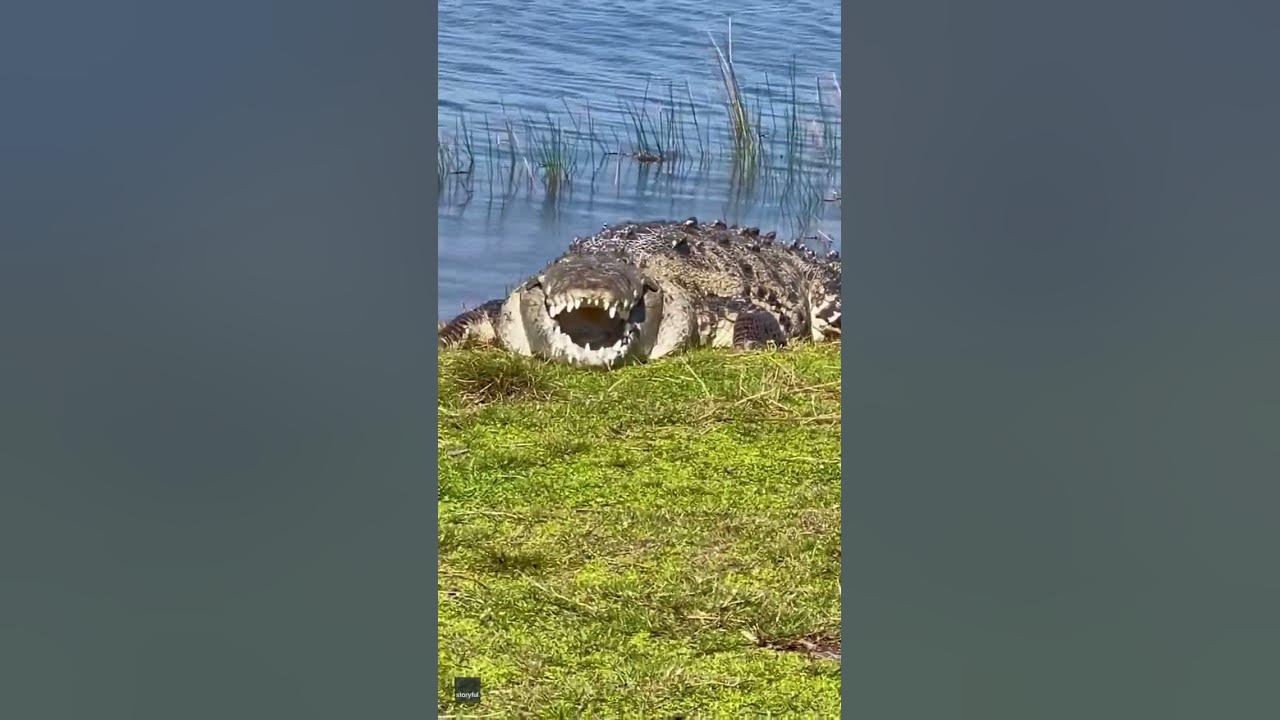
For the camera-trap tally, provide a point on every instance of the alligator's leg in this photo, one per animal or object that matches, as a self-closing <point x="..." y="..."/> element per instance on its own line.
<point x="757" y="328"/>
<point x="473" y="326"/>
<point x="739" y="324"/>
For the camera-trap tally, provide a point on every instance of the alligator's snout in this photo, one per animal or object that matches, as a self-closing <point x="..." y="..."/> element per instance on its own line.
<point x="592" y="310"/>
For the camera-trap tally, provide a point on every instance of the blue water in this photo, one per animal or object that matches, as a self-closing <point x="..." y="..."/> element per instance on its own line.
<point x="500" y="58"/>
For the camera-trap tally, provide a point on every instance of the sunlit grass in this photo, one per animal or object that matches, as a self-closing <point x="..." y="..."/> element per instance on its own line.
<point x="650" y="541"/>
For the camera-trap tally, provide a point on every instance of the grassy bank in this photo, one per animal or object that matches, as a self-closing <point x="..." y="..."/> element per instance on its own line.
<point x="654" y="541"/>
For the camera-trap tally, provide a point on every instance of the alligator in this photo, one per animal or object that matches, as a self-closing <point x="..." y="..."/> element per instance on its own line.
<point x="640" y="291"/>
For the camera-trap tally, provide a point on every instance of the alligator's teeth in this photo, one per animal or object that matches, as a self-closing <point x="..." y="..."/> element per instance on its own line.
<point x="613" y="311"/>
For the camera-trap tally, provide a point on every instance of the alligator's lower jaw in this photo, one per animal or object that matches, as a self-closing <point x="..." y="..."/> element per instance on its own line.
<point x="591" y="354"/>
<point x="583" y="357"/>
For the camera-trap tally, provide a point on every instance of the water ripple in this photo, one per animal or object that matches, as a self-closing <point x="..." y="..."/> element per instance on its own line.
<point x="532" y="58"/>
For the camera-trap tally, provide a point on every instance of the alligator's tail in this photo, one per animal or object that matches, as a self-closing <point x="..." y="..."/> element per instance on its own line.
<point x="473" y="326"/>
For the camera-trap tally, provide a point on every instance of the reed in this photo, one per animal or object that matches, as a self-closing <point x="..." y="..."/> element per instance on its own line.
<point x="554" y="152"/>
<point x="746" y="134"/>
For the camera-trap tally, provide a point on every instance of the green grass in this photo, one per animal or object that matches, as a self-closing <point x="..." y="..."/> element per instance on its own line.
<point x="653" y="541"/>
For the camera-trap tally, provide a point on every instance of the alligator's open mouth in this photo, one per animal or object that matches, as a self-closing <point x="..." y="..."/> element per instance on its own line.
<point x="595" y="329"/>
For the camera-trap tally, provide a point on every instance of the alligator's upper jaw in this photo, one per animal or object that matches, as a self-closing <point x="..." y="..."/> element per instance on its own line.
<point x="591" y="328"/>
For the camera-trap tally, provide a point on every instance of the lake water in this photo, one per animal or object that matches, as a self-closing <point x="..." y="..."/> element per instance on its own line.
<point x="528" y="87"/>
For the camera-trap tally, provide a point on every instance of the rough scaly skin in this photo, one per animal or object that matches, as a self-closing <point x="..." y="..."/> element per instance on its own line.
<point x="639" y="291"/>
